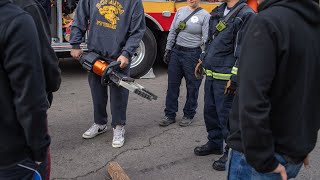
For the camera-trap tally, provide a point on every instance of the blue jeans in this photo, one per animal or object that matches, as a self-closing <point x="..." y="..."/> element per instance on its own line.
<point x="118" y="100"/>
<point x="217" y="108"/>
<point x="239" y="169"/>
<point x="182" y="64"/>
<point x="25" y="170"/>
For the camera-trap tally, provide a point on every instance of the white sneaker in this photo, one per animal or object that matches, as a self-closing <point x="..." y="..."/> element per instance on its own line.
<point x="118" y="136"/>
<point x="94" y="130"/>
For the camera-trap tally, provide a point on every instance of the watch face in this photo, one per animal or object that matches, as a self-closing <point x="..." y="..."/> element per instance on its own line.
<point x="194" y="19"/>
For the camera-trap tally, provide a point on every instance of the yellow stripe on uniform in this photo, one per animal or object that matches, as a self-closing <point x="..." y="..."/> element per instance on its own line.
<point x="234" y="70"/>
<point x="219" y="76"/>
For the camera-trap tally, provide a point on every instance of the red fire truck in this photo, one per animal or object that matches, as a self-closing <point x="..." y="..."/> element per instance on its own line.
<point x="159" y="15"/>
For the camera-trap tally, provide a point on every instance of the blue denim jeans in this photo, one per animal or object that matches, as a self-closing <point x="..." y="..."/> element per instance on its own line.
<point x="118" y="100"/>
<point x="25" y="170"/>
<point x="182" y="64"/>
<point x="239" y="169"/>
<point x="217" y="108"/>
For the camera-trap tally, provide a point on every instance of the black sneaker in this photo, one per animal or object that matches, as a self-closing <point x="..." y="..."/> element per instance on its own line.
<point x="220" y="164"/>
<point x="205" y="150"/>
<point x="186" y="121"/>
<point x="166" y="121"/>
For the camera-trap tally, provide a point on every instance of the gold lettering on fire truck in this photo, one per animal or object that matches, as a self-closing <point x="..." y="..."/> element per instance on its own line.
<point x="111" y="11"/>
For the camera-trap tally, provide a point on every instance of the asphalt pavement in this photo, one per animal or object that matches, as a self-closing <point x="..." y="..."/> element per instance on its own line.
<point x="150" y="152"/>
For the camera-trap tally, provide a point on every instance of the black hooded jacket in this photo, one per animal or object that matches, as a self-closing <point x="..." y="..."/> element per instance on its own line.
<point x="277" y="106"/>
<point x="50" y="61"/>
<point x="23" y="99"/>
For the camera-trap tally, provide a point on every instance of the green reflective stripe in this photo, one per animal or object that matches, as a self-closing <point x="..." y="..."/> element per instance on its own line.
<point x="216" y="75"/>
<point x="234" y="70"/>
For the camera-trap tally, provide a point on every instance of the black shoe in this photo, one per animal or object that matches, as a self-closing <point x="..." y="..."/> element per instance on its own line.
<point x="205" y="150"/>
<point x="166" y="121"/>
<point x="220" y="164"/>
<point x="186" y="121"/>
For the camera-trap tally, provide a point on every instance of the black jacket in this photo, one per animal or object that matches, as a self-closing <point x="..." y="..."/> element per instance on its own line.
<point x="46" y="4"/>
<point x="222" y="51"/>
<point x="277" y="106"/>
<point x="50" y="61"/>
<point x="23" y="103"/>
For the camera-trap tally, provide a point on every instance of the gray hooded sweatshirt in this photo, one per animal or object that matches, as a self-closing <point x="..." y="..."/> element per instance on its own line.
<point x="115" y="26"/>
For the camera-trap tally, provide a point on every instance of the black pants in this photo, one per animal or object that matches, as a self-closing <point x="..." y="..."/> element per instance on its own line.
<point x="217" y="108"/>
<point x="182" y="64"/>
<point x="118" y="100"/>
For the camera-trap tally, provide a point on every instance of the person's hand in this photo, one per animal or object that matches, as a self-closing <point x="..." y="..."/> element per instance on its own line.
<point x="124" y="61"/>
<point x="76" y="53"/>
<point x="166" y="56"/>
<point x="282" y="171"/>
<point x="230" y="87"/>
<point x="306" y="162"/>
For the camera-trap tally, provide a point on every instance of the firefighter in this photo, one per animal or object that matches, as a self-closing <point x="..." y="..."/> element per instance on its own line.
<point x="226" y="27"/>
<point x="182" y="54"/>
<point x="116" y="29"/>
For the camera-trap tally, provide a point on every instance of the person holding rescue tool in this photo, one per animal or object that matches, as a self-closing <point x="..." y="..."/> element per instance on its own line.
<point x="275" y="117"/>
<point x="188" y="31"/>
<point x="226" y="28"/>
<point x="116" y="29"/>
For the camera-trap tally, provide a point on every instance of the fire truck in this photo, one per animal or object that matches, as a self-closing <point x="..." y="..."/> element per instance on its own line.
<point x="158" y="13"/>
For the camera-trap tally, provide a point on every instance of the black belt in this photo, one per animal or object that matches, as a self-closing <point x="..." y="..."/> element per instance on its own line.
<point x="182" y="48"/>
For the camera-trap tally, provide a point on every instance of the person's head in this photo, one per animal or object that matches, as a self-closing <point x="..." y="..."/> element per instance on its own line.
<point x="260" y="1"/>
<point x="193" y="3"/>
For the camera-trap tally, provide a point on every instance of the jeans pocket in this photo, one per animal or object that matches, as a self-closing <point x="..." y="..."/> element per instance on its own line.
<point x="281" y="159"/>
<point x="292" y="169"/>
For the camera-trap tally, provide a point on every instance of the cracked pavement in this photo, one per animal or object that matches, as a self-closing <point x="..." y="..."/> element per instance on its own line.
<point x="150" y="151"/>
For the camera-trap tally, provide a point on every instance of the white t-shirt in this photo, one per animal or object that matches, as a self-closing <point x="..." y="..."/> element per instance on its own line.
<point x="226" y="11"/>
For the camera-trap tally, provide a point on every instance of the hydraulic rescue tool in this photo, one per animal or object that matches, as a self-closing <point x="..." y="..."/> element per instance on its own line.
<point x="109" y="69"/>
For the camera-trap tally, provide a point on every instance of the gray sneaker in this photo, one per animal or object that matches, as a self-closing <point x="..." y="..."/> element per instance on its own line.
<point x="186" y="121"/>
<point x="165" y="121"/>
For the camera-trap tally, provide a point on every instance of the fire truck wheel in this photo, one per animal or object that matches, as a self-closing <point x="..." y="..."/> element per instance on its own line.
<point x="145" y="55"/>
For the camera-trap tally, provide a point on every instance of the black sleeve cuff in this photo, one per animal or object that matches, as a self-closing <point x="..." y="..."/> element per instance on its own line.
<point x="234" y="78"/>
<point x="41" y="154"/>
<point x="268" y="166"/>
<point x="126" y="54"/>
